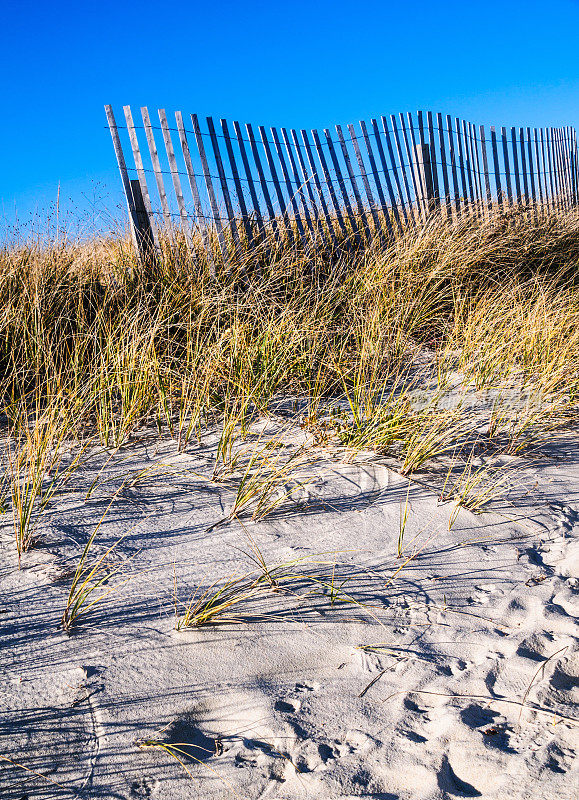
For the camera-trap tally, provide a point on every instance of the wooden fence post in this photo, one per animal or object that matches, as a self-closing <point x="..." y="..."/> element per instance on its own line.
<point x="424" y="165"/>
<point x="143" y="229"/>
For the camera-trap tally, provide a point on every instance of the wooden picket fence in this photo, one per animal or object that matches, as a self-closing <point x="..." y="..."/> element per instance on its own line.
<point x="237" y="189"/>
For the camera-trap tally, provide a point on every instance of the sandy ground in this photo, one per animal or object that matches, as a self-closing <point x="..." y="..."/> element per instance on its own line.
<point x="455" y="677"/>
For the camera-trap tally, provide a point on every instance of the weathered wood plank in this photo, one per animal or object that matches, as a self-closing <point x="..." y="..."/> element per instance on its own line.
<point x="393" y="204"/>
<point x="452" y="156"/>
<point x="533" y="194"/>
<point x="250" y="181"/>
<point x="318" y="185"/>
<point x="538" y="162"/>
<point x="310" y="210"/>
<point x="298" y="182"/>
<point x="476" y="167"/>
<point x="376" y="177"/>
<point x="552" y="182"/>
<point x="283" y="208"/>
<point x="209" y="186"/>
<point x="353" y="183"/>
<point x="523" y="165"/>
<point x="289" y="187"/>
<point x="223" y="181"/>
<point x="201" y="221"/>
<point x="139" y="165"/>
<point x="365" y="181"/>
<point x="421" y="188"/>
<point x="433" y="158"/>
<point x="156" y="165"/>
<point x="403" y="169"/>
<point x="340" y="178"/>
<point x="175" y="174"/>
<point x="489" y="196"/>
<point x="400" y="199"/>
<point x="236" y="182"/>
<point x="462" y="170"/>
<point x="496" y="168"/>
<point x="516" y="165"/>
<point x="411" y="156"/>
<point x="444" y="165"/>
<point x="547" y="200"/>
<point x="328" y="182"/>
<point x="262" y="181"/>
<point x="135" y="221"/>
<point x="507" y="166"/>
<point x="468" y="162"/>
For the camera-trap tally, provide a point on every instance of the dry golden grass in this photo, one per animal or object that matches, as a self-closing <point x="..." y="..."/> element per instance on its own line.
<point x="123" y="345"/>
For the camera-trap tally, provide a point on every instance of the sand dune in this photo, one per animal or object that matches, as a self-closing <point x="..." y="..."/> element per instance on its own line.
<point x="455" y="676"/>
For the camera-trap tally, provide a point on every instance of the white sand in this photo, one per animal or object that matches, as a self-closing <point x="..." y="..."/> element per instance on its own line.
<point x="477" y="612"/>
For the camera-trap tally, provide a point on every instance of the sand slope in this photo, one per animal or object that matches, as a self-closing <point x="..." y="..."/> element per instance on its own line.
<point x="282" y="706"/>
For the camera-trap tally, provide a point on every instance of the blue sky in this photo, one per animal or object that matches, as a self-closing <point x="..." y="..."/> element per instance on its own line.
<point x="306" y="64"/>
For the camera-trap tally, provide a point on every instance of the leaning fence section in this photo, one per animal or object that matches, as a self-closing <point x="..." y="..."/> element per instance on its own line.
<point x="239" y="186"/>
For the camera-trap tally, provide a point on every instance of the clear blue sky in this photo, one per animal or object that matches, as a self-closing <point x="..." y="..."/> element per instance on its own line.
<point x="307" y="64"/>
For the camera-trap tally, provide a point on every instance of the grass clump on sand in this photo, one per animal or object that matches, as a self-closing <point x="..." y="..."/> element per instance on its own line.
<point x="383" y="336"/>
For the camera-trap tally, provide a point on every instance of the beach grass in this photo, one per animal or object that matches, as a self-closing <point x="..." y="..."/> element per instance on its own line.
<point x="378" y="349"/>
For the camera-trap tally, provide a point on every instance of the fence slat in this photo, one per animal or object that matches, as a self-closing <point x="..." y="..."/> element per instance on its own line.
<point x="389" y="187"/>
<point x="552" y="184"/>
<point x="289" y="187"/>
<point x="314" y="224"/>
<point x="477" y="177"/>
<point x="156" y="164"/>
<point x="452" y="155"/>
<point x="553" y="152"/>
<point x="209" y="186"/>
<point x="561" y="136"/>
<point x="237" y="182"/>
<point x="399" y="197"/>
<point x="402" y="168"/>
<point x="249" y="178"/>
<point x="496" y="168"/>
<point x="468" y="161"/>
<point x="489" y="197"/>
<point x="365" y="181"/>
<point x="566" y="135"/>
<point x="318" y="185"/>
<point x="223" y="181"/>
<point x="410" y="154"/>
<point x="433" y="159"/>
<point x="421" y="189"/>
<point x="507" y="167"/>
<point x="340" y="179"/>
<point x="376" y="177"/>
<point x="328" y="181"/>
<point x="139" y="165"/>
<point x="573" y="164"/>
<point x="307" y="182"/>
<point x="298" y="182"/>
<point x="136" y="234"/>
<point x="531" y="173"/>
<point x="175" y="174"/>
<point x="538" y="162"/>
<point x="262" y="181"/>
<point x="523" y="165"/>
<point x="201" y="222"/>
<point x="283" y="209"/>
<point x="461" y="162"/>
<point x="516" y="165"/>
<point x="444" y="166"/>
<point x="544" y="164"/>
<point x="353" y="182"/>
